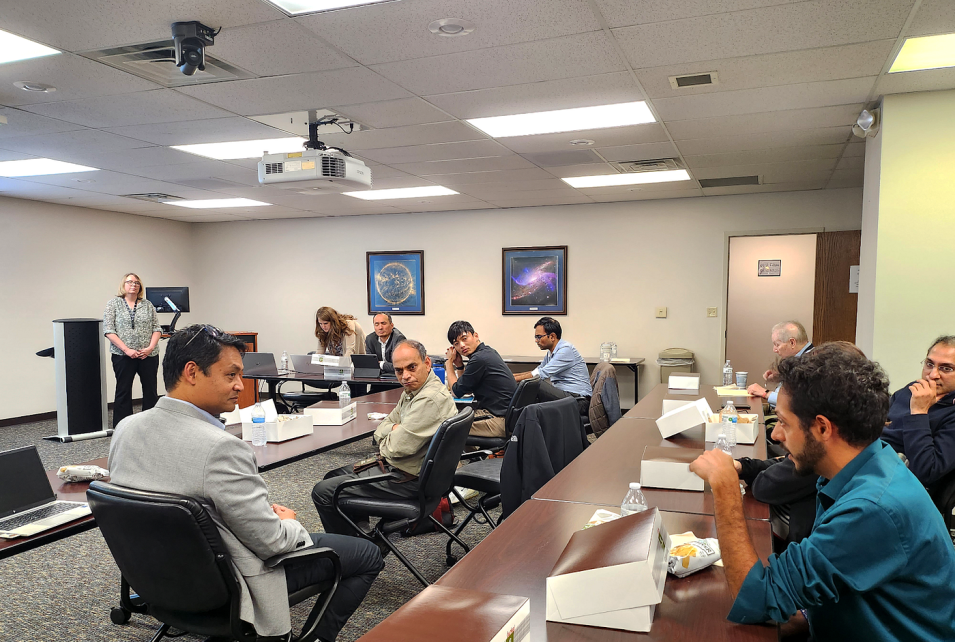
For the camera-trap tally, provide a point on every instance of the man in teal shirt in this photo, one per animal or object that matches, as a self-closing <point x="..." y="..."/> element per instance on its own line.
<point x="879" y="563"/>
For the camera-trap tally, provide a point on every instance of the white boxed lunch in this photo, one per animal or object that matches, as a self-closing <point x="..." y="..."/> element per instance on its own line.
<point x="747" y="428"/>
<point x="673" y="404"/>
<point x="663" y="467"/>
<point x="281" y="428"/>
<point x="684" y="417"/>
<point x="684" y="382"/>
<point x="334" y="416"/>
<point x="611" y="575"/>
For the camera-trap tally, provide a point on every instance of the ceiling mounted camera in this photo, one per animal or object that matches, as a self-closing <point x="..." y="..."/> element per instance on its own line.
<point x="191" y="39"/>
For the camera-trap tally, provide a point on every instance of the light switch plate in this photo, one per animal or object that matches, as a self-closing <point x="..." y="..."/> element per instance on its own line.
<point x="661" y="313"/>
<point x="711" y="312"/>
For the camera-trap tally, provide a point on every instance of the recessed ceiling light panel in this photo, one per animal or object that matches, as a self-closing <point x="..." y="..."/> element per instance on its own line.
<point x="404" y="192"/>
<point x="302" y="7"/>
<point x="26" y="85"/>
<point x="612" y="180"/>
<point x="565" y="120"/>
<point x="451" y="27"/>
<point x="13" y="48"/>
<point x="210" y="203"/>
<point x="244" y="148"/>
<point x="929" y="52"/>
<point x="40" y="167"/>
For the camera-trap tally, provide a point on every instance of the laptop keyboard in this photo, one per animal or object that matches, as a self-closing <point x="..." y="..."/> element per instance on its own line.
<point x="16" y="521"/>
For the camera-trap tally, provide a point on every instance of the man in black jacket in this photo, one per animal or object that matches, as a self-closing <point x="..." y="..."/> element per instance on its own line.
<point x="791" y="497"/>
<point x="383" y="342"/>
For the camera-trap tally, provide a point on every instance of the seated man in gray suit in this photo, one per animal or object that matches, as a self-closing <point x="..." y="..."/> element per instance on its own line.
<point x="383" y="342"/>
<point x="180" y="447"/>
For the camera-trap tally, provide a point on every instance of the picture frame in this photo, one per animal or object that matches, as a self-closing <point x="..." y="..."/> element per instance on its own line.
<point x="769" y="267"/>
<point x="395" y="282"/>
<point x="534" y="280"/>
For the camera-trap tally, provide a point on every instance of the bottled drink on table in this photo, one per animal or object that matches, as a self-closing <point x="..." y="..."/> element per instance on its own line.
<point x="284" y="361"/>
<point x="344" y="395"/>
<point x="634" y="502"/>
<point x="727" y="374"/>
<point x="258" y="425"/>
<point x="723" y="444"/>
<point x="729" y="420"/>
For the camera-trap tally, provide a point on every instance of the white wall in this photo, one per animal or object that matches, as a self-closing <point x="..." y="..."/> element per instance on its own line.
<point x="58" y="262"/>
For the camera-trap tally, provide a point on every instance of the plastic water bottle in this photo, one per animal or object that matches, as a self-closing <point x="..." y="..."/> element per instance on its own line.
<point x="723" y="444"/>
<point x="634" y="502"/>
<point x="344" y="395"/>
<point x="258" y="425"/>
<point x="727" y="374"/>
<point x="729" y="420"/>
<point x="285" y="361"/>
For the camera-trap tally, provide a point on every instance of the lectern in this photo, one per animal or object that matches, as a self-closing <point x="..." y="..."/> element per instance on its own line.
<point x="80" y="379"/>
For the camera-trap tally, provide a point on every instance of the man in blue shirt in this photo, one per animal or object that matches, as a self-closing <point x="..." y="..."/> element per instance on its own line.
<point x="879" y="564"/>
<point x="562" y="370"/>
<point x="789" y="340"/>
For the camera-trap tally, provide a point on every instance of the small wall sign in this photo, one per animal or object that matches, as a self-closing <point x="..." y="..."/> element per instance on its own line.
<point x="770" y="267"/>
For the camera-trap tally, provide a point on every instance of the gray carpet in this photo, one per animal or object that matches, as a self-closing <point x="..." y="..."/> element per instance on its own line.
<point x="64" y="591"/>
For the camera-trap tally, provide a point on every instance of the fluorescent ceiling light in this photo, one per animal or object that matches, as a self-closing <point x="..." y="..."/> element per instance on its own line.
<point x="929" y="52"/>
<point x="404" y="192"/>
<point x="40" y="167"/>
<point x="610" y="180"/>
<point x="299" y="7"/>
<point x="13" y="48"/>
<point x="565" y="120"/>
<point x="244" y="148"/>
<point x="218" y="202"/>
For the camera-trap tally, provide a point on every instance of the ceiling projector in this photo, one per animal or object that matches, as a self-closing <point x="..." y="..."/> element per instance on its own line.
<point x="328" y="168"/>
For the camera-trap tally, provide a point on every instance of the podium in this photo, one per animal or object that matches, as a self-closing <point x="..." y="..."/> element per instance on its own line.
<point x="80" y="379"/>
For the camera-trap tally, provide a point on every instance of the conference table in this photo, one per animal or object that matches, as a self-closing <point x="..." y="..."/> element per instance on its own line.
<point x="273" y="381"/>
<point x="651" y="406"/>
<point x="633" y="363"/>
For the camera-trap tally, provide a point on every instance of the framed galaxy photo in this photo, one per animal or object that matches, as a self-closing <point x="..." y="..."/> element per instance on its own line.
<point x="395" y="282"/>
<point x="535" y="280"/>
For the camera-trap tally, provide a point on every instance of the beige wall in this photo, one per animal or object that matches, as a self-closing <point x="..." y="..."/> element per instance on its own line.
<point x="908" y="291"/>
<point x="59" y="262"/>
<point x="755" y="304"/>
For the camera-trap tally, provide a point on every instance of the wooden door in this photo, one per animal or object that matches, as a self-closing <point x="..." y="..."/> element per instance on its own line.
<point x="834" y="310"/>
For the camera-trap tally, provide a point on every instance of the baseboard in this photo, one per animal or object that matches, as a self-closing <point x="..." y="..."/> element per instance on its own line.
<point x="46" y="416"/>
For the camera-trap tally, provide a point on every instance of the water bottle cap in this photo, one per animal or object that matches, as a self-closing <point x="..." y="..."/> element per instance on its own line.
<point x="634" y="485"/>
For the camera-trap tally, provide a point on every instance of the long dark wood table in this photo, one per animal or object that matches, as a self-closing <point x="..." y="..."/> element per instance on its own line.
<point x="600" y="475"/>
<point x="273" y="381"/>
<point x="651" y="406"/>
<point x="516" y="557"/>
<point x="633" y="363"/>
<point x="66" y="491"/>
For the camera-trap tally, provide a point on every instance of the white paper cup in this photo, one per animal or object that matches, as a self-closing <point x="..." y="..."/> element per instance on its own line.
<point x="741" y="379"/>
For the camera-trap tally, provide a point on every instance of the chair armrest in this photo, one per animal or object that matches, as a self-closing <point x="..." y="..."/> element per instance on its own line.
<point x="476" y="454"/>
<point x="360" y="481"/>
<point x="312" y="551"/>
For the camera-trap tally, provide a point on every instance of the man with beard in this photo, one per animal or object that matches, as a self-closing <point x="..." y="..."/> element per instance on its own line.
<point x="879" y="564"/>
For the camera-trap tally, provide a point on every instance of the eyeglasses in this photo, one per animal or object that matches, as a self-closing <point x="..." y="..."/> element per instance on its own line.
<point x="133" y="282"/>
<point x="538" y="337"/>
<point x="212" y="331"/>
<point x="943" y="368"/>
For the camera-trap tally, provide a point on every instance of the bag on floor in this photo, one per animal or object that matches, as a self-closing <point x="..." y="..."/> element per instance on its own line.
<point x="442" y="513"/>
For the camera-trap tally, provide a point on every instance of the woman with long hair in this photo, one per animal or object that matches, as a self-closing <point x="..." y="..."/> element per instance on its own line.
<point x="338" y="334"/>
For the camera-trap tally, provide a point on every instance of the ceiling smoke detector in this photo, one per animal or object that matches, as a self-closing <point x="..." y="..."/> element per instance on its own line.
<point x="451" y="27"/>
<point x="26" y="85"/>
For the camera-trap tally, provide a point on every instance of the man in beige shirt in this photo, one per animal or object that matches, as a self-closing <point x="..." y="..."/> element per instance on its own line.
<point x="402" y="438"/>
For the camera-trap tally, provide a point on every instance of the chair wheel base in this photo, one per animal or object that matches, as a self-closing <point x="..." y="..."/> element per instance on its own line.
<point x="450" y="560"/>
<point x="119" y="615"/>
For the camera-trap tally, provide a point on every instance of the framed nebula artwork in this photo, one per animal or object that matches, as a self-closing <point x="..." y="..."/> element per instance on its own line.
<point x="395" y="282"/>
<point x="535" y="280"/>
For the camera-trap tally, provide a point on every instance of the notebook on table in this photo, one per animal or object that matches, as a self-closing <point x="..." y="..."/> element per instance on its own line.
<point x="28" y="504"/>
<point x="366" y="366"/>
<point x="259" y="364"/>
<point x="302" y="364"/>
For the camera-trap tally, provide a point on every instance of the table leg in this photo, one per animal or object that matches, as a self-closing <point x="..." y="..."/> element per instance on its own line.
<point x="635" y="369"/>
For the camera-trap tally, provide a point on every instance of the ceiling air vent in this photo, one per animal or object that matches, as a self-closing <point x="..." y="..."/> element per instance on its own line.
<point x="731" y="181"/>
<point x="694" y="80"/>
<point x="654" y="165"/>
<point x="153" y="197"/>
<point x="156" y="61"/>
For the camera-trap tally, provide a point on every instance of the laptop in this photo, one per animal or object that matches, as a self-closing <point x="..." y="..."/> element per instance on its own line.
<point x="28" y="504"/>
<point x="259" y="364"/>
<point x="366" y="366"/>
<point x="302" y="364"/>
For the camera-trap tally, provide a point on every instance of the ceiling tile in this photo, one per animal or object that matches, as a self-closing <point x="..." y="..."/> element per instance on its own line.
<point x="642" y="195"/>
<point x="563" y="157"/>
<point x="671" y="186"/>
<point x="759" y="156"/>
<point x="818" y="23"/>
<point x="23" y="123"/>
<point x="856" y="147"/>
<point x="622" y="13"/>
<point x="851" y="162"/>
<point x="95" y="24"/>
<point x="212" y="130"/>
<point x="847" y="178"/>
<point x="786" y="68"/>
<point x="546" y="197"/>
<point x="615" y="136"/>
<point x="108" y="182"/>
<point x="909" y="81"/>
<point x="277" y="48"/>
<point x="359" y="32"/>
<point x="639" y="152"/>
<point x="933" y="17"/>
<point x="480" y="190"/>
<point x="393" y="113"/>
<point x="157" y="106"/>
<point x="6" y="155"/>
<point x="529" y="174"/>
<point x="439" y="152"/>
<point x="449" y="132"/>
<point x="73" y="76"/>
<point x="260" y="96"/>
<point x="438" y="168"/>
<point x="593" y="169"/>
<point x="568" y="57"/>
<point x="772" y="121"/>
<point x="751" y="101"/>
<point x="766" y="140"/>
<point x="142" y="157"/>
<point x="773" y="187"/>
<point x="818" y="169"/>
<point x="585" y="91"/>
<point x="69" y="145"/>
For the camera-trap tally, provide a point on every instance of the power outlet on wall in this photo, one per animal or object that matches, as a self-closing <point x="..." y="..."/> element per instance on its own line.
<point x="661" y="313"/>
<point x="711" y="312"/>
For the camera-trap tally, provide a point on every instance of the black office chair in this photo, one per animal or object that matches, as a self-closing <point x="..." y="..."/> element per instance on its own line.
<point x="943" y="495"/>
<point x="301" y="399"/>
<point x="397" y="514"/>
<point x="524" y="395"/>
<point x="171" y="553"/>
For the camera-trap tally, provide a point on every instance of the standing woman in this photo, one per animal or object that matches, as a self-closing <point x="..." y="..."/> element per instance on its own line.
<point x="131" y="324"/>
<point x="338" y="334"/>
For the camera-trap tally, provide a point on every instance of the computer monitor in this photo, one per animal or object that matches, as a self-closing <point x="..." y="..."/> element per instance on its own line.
<point x="179" y="297"/>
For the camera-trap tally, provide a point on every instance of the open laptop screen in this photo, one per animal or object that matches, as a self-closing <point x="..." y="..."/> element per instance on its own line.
<point x="23" y="482"/>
